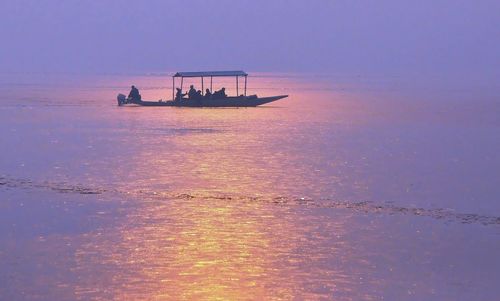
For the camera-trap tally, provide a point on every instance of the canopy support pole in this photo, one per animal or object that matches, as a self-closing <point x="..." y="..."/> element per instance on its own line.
<point x="173" y="87"/>
<point x="211" y="77"/>
<point x="202" y="88"/>
<point x="237" y="89"/>
<point x="246" y="85"/>
<point x="182" y="81"/>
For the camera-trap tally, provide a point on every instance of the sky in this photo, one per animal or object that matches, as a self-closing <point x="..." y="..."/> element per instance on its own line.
<point x="341" y="36"/>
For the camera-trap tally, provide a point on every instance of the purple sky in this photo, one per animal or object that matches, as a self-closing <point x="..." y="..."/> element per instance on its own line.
<point x="379" y="37"/>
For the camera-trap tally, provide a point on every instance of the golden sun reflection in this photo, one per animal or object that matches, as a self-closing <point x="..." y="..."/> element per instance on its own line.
<point x="196" y="232"/>
<point x="199" y="249"/>
<point x="222" y="256"/>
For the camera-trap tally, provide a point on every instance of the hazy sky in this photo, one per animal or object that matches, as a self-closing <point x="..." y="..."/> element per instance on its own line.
<point x="378" y="36"/>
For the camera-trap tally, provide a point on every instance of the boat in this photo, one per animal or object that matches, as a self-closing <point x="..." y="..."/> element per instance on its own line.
<point x="203" y="100"/>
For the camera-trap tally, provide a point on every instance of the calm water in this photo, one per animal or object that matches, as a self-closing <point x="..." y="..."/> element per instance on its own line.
<point x="353" y="188"/>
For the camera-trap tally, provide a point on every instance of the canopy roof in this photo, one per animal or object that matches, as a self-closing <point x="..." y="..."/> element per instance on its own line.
<point x="210" y="74"/>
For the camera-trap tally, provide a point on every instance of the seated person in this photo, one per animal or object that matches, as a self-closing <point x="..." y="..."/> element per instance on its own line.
<point x="220" y="94"/>
<point x="179" y="94"/>
<point x="208" y="94"/>
<point x="134" y="95"/>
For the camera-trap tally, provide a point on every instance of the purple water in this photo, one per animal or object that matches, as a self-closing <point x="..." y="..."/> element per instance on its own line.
<point x="353" y="188"/>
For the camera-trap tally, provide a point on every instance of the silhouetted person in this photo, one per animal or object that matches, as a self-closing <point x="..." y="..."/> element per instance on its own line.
<point x="208" y="94"/>
<point x="134" y="95"/>
<point x="192" y="92"/>
<point x="220" y="93"/>
<point x="179" y="94"/>
<point x="198" y="97"/>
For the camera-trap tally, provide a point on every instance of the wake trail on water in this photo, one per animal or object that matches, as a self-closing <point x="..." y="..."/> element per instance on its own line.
<point x="366" y="207"/>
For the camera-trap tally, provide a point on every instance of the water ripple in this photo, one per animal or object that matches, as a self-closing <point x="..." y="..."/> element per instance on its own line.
<point x="447" y="215"/>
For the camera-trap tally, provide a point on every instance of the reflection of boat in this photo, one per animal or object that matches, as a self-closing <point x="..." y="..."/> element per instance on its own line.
<point x="213" y="101"/>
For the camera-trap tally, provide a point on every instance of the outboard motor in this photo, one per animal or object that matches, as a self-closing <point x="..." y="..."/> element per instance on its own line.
<point x="122" y="99"/>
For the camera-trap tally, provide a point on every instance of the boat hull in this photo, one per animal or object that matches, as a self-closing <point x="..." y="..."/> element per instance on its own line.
<point x="242" y="101"/>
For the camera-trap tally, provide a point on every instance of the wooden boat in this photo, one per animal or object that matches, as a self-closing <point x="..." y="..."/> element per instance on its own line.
<point x="204" y="101"/>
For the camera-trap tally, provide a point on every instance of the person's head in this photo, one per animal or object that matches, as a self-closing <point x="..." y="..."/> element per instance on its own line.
<point x="223" y="89"/>
<point x="207" y="90"/>
<point x="178" y="89"/>
<point x="133" y="87"/>
<point x="191" y="86"/>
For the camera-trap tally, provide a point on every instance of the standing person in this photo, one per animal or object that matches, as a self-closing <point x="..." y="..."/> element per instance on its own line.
<point x="134" y="95"/>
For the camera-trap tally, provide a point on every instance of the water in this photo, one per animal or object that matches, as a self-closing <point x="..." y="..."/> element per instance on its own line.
<point x="353" y="188"/>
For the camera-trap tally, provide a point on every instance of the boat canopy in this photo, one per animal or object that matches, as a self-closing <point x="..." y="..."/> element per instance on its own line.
<point x="210" y="74"/>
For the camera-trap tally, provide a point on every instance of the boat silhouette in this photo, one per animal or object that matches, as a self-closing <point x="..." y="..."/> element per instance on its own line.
<point x="205" y="100"/>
